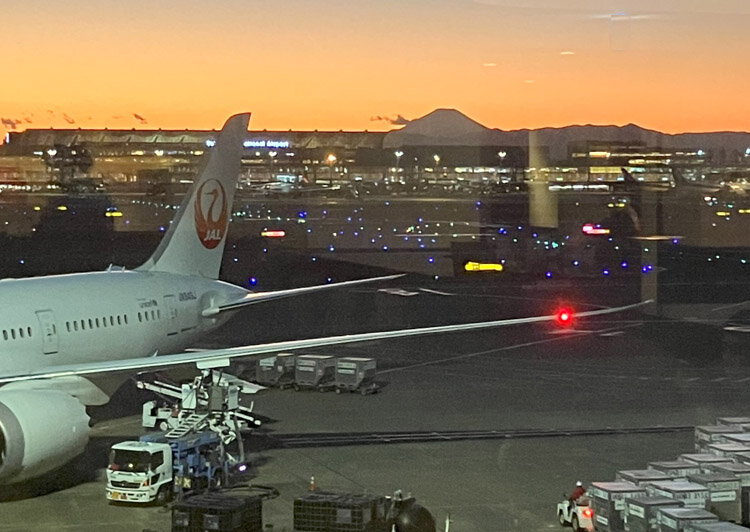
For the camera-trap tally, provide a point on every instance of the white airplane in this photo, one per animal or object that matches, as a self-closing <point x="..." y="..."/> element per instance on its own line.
<point x="68" y="341"/>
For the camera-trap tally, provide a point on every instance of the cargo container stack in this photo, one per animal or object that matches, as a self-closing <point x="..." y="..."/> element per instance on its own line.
<point x="356" y="374"/>
<point x="705" y="460"/>
<point x="724" y="494"/>
<point x="730" y="450"/>
<point x="680" y="519"/>
<point x="336" y="512"/>
<point x="641" y="477"/>
<point x="742" y="472"/>
<point x="691" y="494"/>
<point x="314" y="371"/>
<point x="715" y="527"/>
<point x="608" y="503"/>
<point x="677" y="469"/>
<point x="705" y="435"/>
<point x="220" y="512"/>
<point x="276" y="370"/>
<point x="641" y="514"/>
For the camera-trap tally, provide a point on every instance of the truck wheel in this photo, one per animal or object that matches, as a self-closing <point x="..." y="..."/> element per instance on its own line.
<point x="574" y="523"/>
<point x="561" y="519"/>
<point x="296" y="387"/>
<point x="162" y="496"/>
<point x="338" y="391"/>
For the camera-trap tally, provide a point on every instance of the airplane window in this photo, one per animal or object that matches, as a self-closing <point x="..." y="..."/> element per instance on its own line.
<point x="96" y="321"/>
<point x="28" y="331"/>
<point x="67" y="325"/>
<point x="153" y="314"/>
<point x="104" y="321"/>
<point x="13" y="334"/>
<point x="112" y="321"/>
<point x="91" y="323"/>
<point x="140" y="317"/>
<point x="158" y="314"/>
<point x="125" y="317"/>
<point x="5" y="335"/>
<point x="20" y="333"/>
<point x="83" y="325"/>
<point x="119" y="321"/>
<point x="75" y="326"/>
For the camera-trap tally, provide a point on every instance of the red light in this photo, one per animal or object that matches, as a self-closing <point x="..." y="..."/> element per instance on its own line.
<point x="564" y="316"/>
<point x="587" y="513"/>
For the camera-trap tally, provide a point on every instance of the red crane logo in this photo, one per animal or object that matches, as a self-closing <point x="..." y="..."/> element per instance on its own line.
<point x="211" y="226"/>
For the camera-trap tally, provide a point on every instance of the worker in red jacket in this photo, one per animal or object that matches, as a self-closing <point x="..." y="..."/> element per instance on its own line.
<point x="577" y="492"/>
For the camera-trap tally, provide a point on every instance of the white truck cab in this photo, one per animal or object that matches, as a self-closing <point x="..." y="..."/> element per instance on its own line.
<point x="140" y="471"/>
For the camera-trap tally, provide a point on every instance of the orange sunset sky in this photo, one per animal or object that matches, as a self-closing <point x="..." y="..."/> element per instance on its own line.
<point x="671" y="65"/>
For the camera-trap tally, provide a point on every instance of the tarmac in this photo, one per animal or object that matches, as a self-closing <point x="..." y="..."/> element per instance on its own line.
<point x="622" y="372"/>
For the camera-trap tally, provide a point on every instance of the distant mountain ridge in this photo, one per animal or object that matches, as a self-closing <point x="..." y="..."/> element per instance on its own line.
<point x="450" y="127"/>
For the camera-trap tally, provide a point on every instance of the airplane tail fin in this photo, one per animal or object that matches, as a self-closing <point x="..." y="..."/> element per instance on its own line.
<point x="194" y="243"/>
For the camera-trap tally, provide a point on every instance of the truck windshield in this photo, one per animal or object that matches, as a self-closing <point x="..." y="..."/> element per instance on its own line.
<point x="125" y="460"/>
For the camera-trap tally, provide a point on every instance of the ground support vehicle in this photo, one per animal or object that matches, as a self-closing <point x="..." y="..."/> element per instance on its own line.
<point x="577" y="514"/>
<point x="192" y="455"/>
<point x="356" y="374"/>
<point x="156" y="468"/>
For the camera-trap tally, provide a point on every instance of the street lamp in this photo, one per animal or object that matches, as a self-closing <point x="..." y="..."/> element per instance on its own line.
<point x="331" y="161"/>
<point x="272" y="156"/>
<point x="398" y="154"/>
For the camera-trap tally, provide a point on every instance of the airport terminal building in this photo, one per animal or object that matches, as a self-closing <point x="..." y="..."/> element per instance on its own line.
<point x="444" y="147"/>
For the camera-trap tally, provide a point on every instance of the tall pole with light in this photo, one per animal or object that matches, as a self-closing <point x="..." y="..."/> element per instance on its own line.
<point x="398" y="154"/>
<point x="331" y="161"/>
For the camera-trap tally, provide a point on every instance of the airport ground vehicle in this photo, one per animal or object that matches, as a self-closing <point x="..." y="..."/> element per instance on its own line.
<point x="155" y="468"/>
<point x="577" y="514"/>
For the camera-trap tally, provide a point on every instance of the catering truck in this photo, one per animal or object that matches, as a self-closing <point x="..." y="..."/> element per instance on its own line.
<point x="156" y="468"/>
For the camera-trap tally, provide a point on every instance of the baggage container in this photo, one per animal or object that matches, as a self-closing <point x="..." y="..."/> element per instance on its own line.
<point x="708" y="434"/>
<point x="715" y="527"/>
<point x="220" y="512"/>
<point x="730" y="450"/>
<point x="739" y="421"/>
<point x="276" y="370"/>
<point x="677" y="519"/>
<point x="705" y="460"/>
<point x="677" y="469"/>
<point x="641" y="514"/>
<point x="608" y="502"/>
<point x="356" y="374"/>
<point x="691" y="494"/>
<point x="742" y="472"/>
<point x="724" y="494"/>
<point x="641" y="477"/>
<point x="314" y="371"/>
<point x="742" y="438"/>
<point x="337" y="512"/>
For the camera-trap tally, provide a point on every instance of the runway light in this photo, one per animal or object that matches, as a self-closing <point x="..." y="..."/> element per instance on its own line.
<point x="253" y="281"/>
<point x="273" y="233"/>
<point x="564" y="317"/>
<point x="594" y="229"/>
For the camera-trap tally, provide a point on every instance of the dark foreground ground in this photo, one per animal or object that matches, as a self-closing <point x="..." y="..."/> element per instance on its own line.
<point x="621" y="372"/>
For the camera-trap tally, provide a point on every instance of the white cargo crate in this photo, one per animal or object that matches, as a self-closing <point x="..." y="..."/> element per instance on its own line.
<point x="676" y="519"/>
<point x="677" y="469"/>
<point x="692" y="494"/>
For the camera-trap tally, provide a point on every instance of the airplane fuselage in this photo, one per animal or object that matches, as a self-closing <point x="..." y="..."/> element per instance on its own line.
<point x="118" y="314"/>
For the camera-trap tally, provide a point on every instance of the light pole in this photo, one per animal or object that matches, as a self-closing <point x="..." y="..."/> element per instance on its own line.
<point x="436" y="157"/>
<point x="501" y="154"/>
<point x="398" y="154"/>
<point x="331" y="161"/>
<point x="272" y="156"/>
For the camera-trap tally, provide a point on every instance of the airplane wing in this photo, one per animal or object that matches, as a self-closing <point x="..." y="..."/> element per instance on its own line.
<point x="258" y="297"/>
<point x="220" y="357"/>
